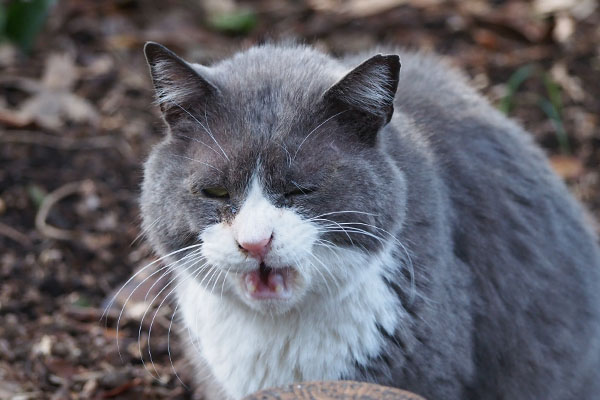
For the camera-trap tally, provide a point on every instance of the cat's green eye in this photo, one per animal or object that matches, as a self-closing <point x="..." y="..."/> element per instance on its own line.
<point x="215" y="192"/>
<point x="298" y="191"/>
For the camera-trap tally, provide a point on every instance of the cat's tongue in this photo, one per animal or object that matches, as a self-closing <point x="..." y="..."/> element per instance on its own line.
<point x="267" y="283"/>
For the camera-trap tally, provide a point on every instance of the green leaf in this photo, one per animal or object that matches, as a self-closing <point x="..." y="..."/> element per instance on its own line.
<point x="514" y="82"/>
<point x="2" y="20"/>
<point x="561" y="134"/>
<point x="237" y="22"/>
<point x="36" y="194"/>
<point x="82" y="301"/>
<point x="24" y="20"/>
<point x="553" y="90"/>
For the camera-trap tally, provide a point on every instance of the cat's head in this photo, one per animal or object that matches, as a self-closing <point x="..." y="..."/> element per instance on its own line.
<point x="271" y="174"/>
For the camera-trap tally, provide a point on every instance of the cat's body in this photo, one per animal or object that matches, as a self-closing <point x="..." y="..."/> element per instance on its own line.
<point x="436" y="253"/>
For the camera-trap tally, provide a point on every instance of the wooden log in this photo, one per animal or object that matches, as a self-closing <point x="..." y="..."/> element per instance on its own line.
<point x="338" y="390"/>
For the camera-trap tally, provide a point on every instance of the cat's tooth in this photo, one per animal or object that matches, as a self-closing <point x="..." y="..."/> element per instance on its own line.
<point x="276" y="280"/>
<point x="250" y="285"/>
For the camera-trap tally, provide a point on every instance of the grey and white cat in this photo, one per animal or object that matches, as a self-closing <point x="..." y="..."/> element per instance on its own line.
<point x="337" y="219"/>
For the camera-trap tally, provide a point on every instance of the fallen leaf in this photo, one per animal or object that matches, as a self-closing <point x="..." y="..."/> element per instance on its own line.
<point x="580" y="9"/>
<point x="53" y="104"/>
<point x="486" y="39"/>
<point x="563" y="28"/>
<point x="44" y="346"/>
<point x="111" y="333"/>
<point x="516" y="20"/>
<point x="62" y="368"/>
<point x="566" y="166"/>
<point x="60" y="73"/>
<point x="570" y="84"/>
<point x="121" y="389"/>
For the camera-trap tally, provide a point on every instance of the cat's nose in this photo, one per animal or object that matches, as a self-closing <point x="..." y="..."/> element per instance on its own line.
<point x="257" y="248"/>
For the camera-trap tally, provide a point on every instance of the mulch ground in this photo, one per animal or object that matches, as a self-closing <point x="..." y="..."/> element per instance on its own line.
<point x="77" y="120"/>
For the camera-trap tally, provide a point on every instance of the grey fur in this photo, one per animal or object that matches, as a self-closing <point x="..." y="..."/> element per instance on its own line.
<point x="506" y="272"/>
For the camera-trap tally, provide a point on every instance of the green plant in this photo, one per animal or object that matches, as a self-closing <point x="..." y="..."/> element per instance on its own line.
<point x="550" y="103"/>
<point x="236" y="22"/>
<point x="552" y="107"/>
<point x="21" y="21"/>
<point x="513" y="84"/>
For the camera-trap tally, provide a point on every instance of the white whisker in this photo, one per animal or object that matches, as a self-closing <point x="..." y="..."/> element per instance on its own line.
<point x="349" y="227"/>
<point x="216" y="281"/>
<point x="114" y="298"/>
<point x="144" y="231"/>
<point x="136" y="288"/>
<point x="311" y="132"/>
<point x="212" y="135"/>
<point x="169" y="346"/>
<point x="190" y="266"/>
<point x="224" y="280"/>
<point x="330" y="221"/>
<point x="198" y="161"/>
<point x="343" y="212"/>
<point x="205" y="129"/>
<point x="409" y="258"/>
<point x="322" y="276"/>
<point x="201" y="142"/>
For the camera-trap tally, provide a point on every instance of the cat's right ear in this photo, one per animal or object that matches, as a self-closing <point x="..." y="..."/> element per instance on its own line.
<point x="364" y="98"/>
<point x="180" y="89"/>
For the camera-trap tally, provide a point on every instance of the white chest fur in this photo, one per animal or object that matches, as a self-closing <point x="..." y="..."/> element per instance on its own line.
<point x="247" y="351"/>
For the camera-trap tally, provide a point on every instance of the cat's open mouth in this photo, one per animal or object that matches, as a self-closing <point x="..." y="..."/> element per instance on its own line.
<point x="269" y="283"/>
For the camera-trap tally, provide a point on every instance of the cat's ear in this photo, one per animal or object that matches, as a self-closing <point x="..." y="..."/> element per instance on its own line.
<point x="179" y="87"/>
<point x="365" y="96"/>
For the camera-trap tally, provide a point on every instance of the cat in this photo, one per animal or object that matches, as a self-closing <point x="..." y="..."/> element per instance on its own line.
<point x="329" y="219"/>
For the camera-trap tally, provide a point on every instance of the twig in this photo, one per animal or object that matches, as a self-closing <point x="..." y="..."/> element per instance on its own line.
<point x="13" y="234"/>
<point x="90" y="314"/>
<point x="50" y="200"/>
<point x="122" y="388"/>
<point x="25" y="84"/>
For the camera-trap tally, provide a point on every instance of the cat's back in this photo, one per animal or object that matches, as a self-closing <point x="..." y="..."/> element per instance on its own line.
<point x="534" y="260"/>
<point x="492" y="168"/>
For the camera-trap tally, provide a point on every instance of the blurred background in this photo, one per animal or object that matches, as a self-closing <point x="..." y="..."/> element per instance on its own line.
<point x="77" y="121"/>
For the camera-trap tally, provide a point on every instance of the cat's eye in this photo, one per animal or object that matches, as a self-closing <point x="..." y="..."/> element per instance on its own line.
<point x="299" y="191"/>
<point x="215" y="192"/>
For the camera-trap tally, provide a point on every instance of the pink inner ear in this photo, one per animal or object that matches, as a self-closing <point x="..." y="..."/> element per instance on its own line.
<point x="178" y="85"/>
<point x="371" y="86"/>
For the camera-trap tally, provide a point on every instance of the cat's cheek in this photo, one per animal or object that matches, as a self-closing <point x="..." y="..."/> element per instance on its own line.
<point x="219" y="247"/>
<point x="293" y="241"/>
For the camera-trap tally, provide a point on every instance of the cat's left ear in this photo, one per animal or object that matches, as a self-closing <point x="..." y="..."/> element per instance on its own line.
<point x="365" y="96"/>
<point x="179" y="87"/>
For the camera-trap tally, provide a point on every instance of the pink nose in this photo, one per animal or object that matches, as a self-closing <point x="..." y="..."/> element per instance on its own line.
<point x="256" y="248"/>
